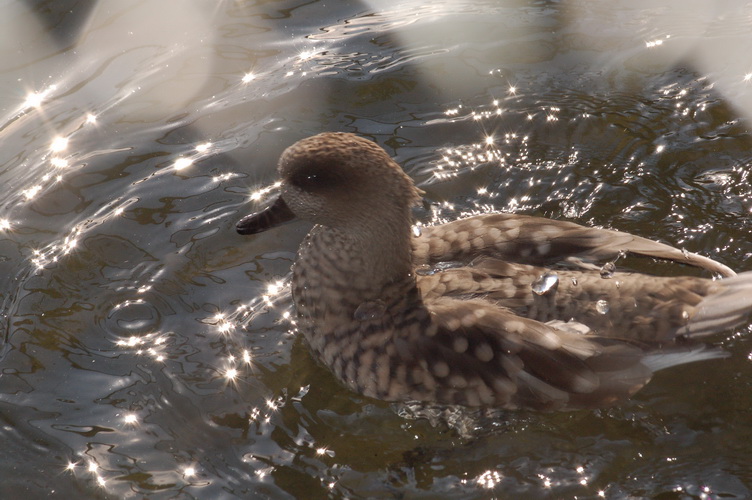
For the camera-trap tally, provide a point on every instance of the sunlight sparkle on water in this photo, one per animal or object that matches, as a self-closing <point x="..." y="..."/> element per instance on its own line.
<point x="489" y="479"/>
<point x="546" y="480"/>
<point x="59" y="144"/>
<point x="182" y="163"/>
<point x="131" y="341"/>
<point x="248" y="77"/>
<point x="306" y="54"/>
<point x="261" y="473"/>
<point x="581" y="470"/>
<point x="273" y="405"/>
<point x="224" y="326"/>
<point x="35" y="99"/>
<point x="203" y="147"/>
<point x="189" y="471"/>
<point x="231" y="374"/>
<point x="223" y="177"/>
<point x="32" y="192"/>
<point x="58" y="162"/>
<point x="4" y="224"/>
<point x="259" y="193"/>
<point x="275" y="287"/>
<point x="130" y="418"/>
<point x="69" y="244"/>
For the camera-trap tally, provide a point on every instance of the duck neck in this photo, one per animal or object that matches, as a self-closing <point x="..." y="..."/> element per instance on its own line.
<point x="387" y="256"/>
<point x="369" y="262"/>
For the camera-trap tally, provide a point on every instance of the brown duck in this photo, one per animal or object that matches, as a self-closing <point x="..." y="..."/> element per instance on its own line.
<point x="499" y="310"/>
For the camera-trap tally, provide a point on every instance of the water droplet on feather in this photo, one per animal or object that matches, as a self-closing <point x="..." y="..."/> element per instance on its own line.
<point x="608" y="270"/>
<point x="602" y="306"/>
<point x="545" y="283"/>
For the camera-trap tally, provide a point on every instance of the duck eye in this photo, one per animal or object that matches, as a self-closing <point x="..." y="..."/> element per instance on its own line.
<point x="315" y="179"/>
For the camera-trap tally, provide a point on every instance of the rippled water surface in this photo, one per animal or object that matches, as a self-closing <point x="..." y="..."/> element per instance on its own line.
<point x="146" y="347"/>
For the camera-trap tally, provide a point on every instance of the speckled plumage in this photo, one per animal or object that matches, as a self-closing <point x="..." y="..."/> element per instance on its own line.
<point x="451" y="315"/>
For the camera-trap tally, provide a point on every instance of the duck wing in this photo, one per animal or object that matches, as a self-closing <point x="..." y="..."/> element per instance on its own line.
<point x="477" y="354"/>
<point x="540" y="241"/>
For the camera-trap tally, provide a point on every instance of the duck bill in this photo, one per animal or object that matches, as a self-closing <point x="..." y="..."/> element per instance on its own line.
<point x="276" y="214"/>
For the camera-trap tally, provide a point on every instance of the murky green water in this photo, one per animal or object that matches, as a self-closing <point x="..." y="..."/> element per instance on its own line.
<point x="144" y="352"/>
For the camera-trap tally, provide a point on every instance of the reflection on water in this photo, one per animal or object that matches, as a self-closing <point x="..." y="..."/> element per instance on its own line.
<point x="149" y="351"/>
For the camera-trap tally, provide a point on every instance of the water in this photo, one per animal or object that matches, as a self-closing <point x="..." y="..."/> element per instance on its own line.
<point x="148" y="350"/>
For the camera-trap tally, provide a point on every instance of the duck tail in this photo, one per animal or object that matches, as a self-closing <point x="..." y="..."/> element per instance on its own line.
<point x="678" y="355"/>
<point x="726" y="308"/>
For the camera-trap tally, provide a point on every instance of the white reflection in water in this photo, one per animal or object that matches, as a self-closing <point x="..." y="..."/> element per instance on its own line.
<point x="35" y="99"/>
<point x="489" y="479"/>
<point x="59" y="144"/>
<point x="131" y="419"/>
<point x="223" y="325"/>
<point x="31" y="192"/>
<point x="307" y="54"/>
<point x="231" y="374"/>
<point x="151" y="344"/>
<point x="182" y="163"/>
<point x="58" y="162"/>
<point x="262" y="192"/>
<point x="653" y="43"/>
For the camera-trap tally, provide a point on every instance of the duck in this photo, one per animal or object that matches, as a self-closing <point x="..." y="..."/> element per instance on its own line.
<point x="499" y="310"/>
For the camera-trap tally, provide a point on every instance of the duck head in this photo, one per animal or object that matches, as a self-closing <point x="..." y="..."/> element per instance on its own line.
<point x="340" y="181"/>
